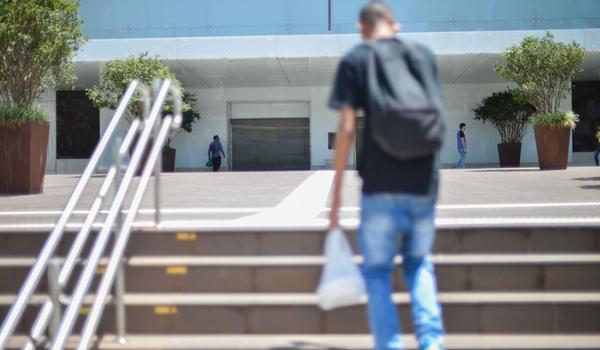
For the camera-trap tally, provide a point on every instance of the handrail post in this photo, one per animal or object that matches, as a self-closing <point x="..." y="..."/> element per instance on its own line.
<point x="54" y="291"/>
<point x="157" y="165"/>
<point x="120" y="312"/>
<point x="157" y="171"/>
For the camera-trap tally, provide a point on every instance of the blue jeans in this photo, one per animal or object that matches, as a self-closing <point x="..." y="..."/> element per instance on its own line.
<point x="387" y="219"/>
<point x="596" y="154"/>
<point x="463" y="159"/>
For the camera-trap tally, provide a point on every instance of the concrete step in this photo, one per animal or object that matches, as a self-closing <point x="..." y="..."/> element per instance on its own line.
<point x="340" y="342"/>
<point x="283" y="274"/>
<point x="310" y="242"/>
<point x="263" y="313"/>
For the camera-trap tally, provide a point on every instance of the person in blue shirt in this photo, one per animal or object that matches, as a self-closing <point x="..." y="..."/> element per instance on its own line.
<point x="461" y="145"/>
<point x="215" y="150"/>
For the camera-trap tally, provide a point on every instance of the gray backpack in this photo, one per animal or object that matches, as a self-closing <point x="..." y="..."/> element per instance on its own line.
<point x="404" y="100"/>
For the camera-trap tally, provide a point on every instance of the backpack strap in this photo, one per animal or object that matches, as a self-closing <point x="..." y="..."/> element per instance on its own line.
<point x="419" y="64"/>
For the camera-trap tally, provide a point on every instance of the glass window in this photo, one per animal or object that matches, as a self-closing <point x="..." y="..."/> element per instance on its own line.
<point x="586" y="103"/>
<point x="77" y="125"/>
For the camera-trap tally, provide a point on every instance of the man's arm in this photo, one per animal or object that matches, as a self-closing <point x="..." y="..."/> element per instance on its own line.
<point x="464" y="143"/>
<point x="343" y="145"/>
<point x="209" y="151"/>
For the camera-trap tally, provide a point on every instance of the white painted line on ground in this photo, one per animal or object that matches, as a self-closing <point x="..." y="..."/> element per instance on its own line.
<point x="314" y="260"/>
<point x="460" y="222"/>
<point x="232" y="210"/>
<point x="351" y="209"/>
<point x="517" y="205"/>
<point x="271" y="223"/>
<point x="310" y="197"/>
<point x="305" y="203"/>
<point x="299" y="204"/>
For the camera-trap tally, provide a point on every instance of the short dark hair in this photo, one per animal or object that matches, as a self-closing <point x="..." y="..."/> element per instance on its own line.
<point x="375" y="12"/>
<point x="461" y="125"/>
<point x="215" y="137"/>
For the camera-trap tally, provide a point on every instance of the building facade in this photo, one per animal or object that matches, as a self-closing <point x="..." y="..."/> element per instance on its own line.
<point x="262" y="69"/>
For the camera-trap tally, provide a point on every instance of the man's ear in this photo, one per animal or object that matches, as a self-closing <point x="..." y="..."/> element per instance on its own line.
<point x="397" y="27"/>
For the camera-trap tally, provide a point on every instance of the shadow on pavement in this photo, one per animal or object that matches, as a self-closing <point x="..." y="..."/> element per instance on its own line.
<point x="501" y="170"/>
<point x="596" y="178"/>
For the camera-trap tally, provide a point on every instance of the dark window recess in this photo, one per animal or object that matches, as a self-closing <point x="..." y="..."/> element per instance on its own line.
<point x="331" y="140"/>
<point x="329" y="15"/>
<point x="77" y="125"/>
<point x="586" y="103"/>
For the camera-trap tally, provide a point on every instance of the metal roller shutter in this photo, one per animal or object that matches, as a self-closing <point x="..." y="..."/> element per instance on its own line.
<point x="271" y="144"/>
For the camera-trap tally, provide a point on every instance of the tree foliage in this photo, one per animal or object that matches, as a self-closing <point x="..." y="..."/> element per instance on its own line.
<point x="38" y="39"/>
<point x="543" y="69"/>
<point x="508" y="111"/>
<point x="118" y="74"/>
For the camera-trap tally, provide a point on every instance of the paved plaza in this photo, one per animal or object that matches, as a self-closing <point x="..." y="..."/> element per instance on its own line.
<point x="524" y="196"/>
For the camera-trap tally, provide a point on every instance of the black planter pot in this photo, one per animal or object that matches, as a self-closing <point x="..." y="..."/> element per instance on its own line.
<point x="509" y="154"/>
<point x="168" y="159"/>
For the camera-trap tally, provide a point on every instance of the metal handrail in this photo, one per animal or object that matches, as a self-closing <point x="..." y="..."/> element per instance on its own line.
<point x="33" y="278"/>
<point x="47" y="310"/>
<point x="84" y="282"/>
<point x="91" y="324"/>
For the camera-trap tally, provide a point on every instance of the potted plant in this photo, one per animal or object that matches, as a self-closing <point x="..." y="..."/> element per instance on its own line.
<point x="190" y="116"/>
<point x="38" y="40"/>
<point x="543" y="69"/>
<point x="116" y="76"/>
<point x="509" y="113"/>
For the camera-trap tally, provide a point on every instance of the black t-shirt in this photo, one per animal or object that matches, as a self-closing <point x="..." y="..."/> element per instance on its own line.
<point x="381" y="173"/>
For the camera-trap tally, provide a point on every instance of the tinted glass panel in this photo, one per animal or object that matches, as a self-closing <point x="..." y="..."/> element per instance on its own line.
<point x="586" y="103"/>
<point x="77" y="125"/>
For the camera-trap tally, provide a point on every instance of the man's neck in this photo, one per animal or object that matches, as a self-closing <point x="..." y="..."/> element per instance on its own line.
<point x="381" y="32"/>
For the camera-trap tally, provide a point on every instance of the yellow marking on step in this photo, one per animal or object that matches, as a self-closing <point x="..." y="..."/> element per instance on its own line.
<point x="100" y="270"/>
<point x="186" y="236"/>
<point x="176" y="270"/>
<point x="84" y="310"/>
<point x="165" y="310"/>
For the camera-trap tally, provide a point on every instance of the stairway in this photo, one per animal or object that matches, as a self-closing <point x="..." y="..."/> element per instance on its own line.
<point x="500" y="288"/>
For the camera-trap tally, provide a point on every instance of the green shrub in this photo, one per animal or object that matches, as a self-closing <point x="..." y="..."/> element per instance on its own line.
<point x="508" y="112"/>
<point x="559" y="119"/>
<point x="116" y="76"/>
<point x="543" y="69"/>
<point x="12" y="116"/>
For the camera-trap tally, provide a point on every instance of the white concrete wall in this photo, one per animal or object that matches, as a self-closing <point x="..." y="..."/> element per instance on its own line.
<point x="459" y="101"/>
<point x="214" y="104"/>
<point x="47" y="101"/>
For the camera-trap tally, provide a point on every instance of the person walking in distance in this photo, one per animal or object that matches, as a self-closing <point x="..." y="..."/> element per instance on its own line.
<point x="215" y="150"/>
<point x="461" y="145"/>
<point x="597" y="152"/>
<point x="397" y="84"/>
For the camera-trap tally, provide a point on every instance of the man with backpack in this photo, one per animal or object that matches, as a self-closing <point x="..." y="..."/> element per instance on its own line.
<point x="397" y="85"/>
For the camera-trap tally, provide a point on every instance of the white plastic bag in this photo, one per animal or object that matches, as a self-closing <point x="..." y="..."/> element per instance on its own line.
<point x="341" y="281"/>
